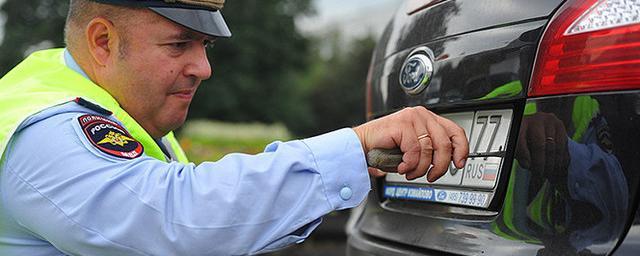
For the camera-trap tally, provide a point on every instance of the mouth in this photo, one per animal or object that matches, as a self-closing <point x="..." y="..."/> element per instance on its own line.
<point x="186" y="94"/>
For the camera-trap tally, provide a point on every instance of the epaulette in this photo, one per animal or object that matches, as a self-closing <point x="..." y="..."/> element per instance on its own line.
<point x="94" y="107"/>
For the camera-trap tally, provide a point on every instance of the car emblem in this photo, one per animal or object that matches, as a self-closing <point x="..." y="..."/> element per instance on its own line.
<point x="416" y="72"/>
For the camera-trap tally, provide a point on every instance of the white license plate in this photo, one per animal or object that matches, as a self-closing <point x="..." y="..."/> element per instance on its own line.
<point x="487" y="132"/>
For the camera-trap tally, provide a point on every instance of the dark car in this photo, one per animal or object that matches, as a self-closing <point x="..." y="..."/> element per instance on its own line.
<point x="548" y="94"/>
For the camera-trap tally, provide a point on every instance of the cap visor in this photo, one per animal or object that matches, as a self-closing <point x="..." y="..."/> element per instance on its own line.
<point x="204" y="21"/>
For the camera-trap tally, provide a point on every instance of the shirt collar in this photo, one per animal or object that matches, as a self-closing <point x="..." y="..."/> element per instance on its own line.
<point x="72" y="64"/>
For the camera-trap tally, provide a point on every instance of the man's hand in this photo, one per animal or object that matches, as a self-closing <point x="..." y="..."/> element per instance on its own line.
<point x="542" y="145"/>
<point x="446" y="141"/>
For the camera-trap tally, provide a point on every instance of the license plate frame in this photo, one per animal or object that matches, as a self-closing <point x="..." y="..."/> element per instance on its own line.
<point x="475" y="184"/>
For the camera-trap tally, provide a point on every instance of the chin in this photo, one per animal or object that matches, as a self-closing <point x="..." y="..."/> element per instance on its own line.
<point x="176" y="122"/>
<point x="172" y="118"/>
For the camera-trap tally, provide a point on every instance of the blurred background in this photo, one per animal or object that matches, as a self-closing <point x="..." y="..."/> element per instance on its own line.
<point x="293" y="69"/>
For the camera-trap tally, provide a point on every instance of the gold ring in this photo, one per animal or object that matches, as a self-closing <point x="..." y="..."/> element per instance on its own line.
<point x="426" y="135"/>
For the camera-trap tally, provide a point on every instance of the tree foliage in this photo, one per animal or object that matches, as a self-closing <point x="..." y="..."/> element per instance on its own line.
<point x="255" y="71"/>
<point x="336" y="95"/>
<point x="30" y="25"/>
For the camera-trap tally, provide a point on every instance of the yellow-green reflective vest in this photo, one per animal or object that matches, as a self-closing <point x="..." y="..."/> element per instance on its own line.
<point x="43" y="80"/>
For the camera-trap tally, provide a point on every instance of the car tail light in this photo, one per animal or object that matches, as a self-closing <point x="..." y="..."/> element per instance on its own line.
<point x="589" y="45"/>
<point x="414" y="6"/>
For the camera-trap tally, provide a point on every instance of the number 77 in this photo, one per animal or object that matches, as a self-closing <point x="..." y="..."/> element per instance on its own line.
<point x="482" y="120"/>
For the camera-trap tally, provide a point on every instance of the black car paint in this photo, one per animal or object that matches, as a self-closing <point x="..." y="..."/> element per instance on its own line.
<point x="477" y="46"/>
<point x="451" y="18"/>
<point x="466" y="68"/>
<point x="471" y="60"/>
<point x="631" y="243"/>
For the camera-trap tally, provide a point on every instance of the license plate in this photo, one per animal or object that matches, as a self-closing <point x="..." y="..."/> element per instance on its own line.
<point x="487" y="132"/>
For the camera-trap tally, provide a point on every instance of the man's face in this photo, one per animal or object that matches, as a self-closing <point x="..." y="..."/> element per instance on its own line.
<point x="157" y="71"/>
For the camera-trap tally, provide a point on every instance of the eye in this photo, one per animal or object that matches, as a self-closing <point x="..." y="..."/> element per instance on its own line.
<point x="179" y="45"/>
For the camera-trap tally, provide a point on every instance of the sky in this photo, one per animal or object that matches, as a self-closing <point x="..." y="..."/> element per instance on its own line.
<point x="353" y="18"/>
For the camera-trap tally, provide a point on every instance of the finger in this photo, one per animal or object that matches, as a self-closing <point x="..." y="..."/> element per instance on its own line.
<point x="426" y="147"/>
<point x="561" y="144"/>
<point x="376" y="173"/>
<point x="441" y="145"/>
<point x="410" y="147"/>
<point x="551" y="156"/>
<point x="459" y="141"/>
<point x="522" y="150"/>
<point x="426" y="155"/>
<point x="535" y="142"/>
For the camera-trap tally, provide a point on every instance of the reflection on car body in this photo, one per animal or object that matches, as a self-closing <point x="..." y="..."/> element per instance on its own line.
<point x="548" y="93"/>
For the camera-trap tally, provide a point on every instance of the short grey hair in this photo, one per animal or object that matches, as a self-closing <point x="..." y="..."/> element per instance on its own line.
<point x="81" y="12"/>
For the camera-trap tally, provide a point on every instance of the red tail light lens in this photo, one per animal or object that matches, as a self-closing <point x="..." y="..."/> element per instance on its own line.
<point x="589" y="45"/>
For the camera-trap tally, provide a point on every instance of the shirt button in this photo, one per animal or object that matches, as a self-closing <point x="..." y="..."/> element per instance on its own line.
<point x="346" y="193"/>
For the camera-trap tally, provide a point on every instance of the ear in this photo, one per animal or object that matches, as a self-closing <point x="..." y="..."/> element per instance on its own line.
<point x="102" y="40"/>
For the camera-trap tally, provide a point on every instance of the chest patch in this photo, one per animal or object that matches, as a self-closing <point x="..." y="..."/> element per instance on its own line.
<point x="110" y="137"/>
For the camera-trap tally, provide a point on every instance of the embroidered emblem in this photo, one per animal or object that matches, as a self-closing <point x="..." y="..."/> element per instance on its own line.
<point x="114" y="138"/>
<point x="110" y="137"/>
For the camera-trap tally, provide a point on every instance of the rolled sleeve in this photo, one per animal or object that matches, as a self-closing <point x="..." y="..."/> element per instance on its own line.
<point x="341" y="163"/>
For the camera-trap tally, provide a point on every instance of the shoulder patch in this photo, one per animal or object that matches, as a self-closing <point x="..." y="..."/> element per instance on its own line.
<point x="109" y="137"/>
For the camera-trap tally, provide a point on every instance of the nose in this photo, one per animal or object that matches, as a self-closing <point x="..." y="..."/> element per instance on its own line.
<point x="198" y="65"/>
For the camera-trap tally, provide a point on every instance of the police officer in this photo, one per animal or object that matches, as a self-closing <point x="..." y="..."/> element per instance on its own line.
<point x="90" y="166"/>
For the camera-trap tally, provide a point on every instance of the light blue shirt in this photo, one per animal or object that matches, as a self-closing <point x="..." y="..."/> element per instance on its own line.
<point x="72" y="64"/>
<point x="60" y="195"/>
